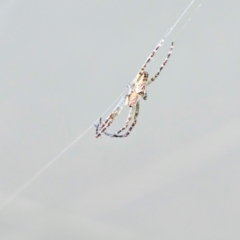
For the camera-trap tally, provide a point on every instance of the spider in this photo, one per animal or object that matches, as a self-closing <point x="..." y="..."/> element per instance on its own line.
<point x="137" y="90"/>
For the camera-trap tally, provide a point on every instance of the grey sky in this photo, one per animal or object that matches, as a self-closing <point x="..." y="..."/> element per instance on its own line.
<point x="62" y="63"/>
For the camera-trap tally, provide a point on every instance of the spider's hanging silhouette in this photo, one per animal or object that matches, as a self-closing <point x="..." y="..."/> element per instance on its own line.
<point x="137" y="89"/>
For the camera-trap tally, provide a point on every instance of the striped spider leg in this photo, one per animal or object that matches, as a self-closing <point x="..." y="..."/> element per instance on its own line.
<point x="100" y="128"/>
<point x="162" y="66"/>
<point x="134" y="110"/>
<point x="151" y="56"/>
<point x="137" y="89"/>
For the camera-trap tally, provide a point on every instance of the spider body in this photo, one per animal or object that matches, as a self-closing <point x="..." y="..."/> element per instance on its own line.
<point x="137" y="90"/>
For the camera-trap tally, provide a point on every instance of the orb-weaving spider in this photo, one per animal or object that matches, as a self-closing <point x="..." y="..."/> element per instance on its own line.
<point x="137" y="89"/>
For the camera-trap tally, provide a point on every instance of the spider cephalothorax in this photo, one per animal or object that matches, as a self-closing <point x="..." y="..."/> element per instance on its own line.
<point x="137" y="89"/>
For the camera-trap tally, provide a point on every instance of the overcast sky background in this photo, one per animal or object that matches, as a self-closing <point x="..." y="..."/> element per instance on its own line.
<point x="176" y="177"/>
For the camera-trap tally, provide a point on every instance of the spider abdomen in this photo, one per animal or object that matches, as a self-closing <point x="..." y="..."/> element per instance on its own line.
<point x="133" y="99"/>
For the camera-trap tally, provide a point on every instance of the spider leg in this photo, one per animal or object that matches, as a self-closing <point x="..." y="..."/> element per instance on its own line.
<point x="100" y="128"/>
<point x="97" y="126"/>
<point x="162" y="66"/>
<point x="151" y="56"/>
<point x="129" y="118"/>
<point x="131" y="127"/>
<point x="145" y="96"/>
